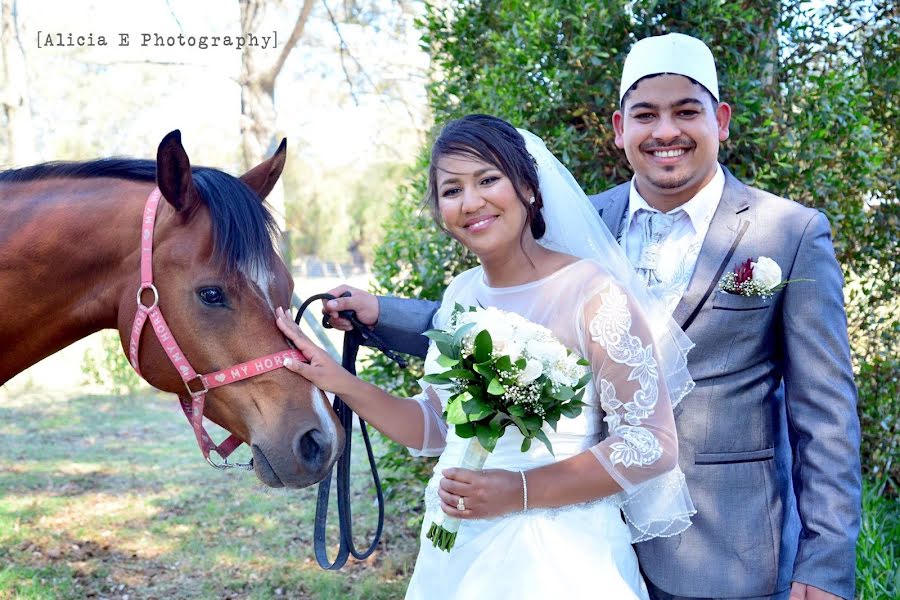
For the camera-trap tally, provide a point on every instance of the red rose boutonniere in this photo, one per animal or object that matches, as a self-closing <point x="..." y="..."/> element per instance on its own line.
<point x="761" y="278"/>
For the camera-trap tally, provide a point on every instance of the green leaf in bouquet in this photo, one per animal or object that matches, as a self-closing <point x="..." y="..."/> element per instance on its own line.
<point x="475" y="391"/>
<point x="533" y="422"/>
<point x="461" y="333"/>
<point x="447" y="362"/>
<point x="563" y="393"/>
<point x="523" y="428"/>
<point x="465" y="430"/>
<point x="496" y="388"/>
<point x="475" y="409"/>
<point x="503" y="364"/>
<point x="437" y="378"/>
<point x="571" y="409"/>
<point x="456" y="415"/>
<point x="438" y="335"/>
<point x="583" y="362"/>
<point x="459" y="374"/>
<point x="487" y="437"/>
<point x="526" y="444"/>
<point x="516" y="410"/>
<point x="499" y="422"/>
<point x="543" y="437"/>
<point x="520" y="364"/>
<point x="485" y="370"/>
<point x="577" y="397"/>
<point x="553" y="414"/>
<point x="447" y="349"/>
<point x="483" y="346"/>
<point x="584" y="380"/>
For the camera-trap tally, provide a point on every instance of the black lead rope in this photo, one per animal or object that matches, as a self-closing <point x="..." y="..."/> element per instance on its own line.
<point x="352" y="341"/>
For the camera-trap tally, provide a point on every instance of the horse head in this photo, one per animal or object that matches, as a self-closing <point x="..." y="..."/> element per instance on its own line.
<point x="219" y="279"/>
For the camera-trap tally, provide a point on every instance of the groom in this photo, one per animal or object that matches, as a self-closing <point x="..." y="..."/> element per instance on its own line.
<point x="769" y="438"/>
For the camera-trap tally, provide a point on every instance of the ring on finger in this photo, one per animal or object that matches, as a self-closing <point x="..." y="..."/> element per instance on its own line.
<point x="461" y="504"/>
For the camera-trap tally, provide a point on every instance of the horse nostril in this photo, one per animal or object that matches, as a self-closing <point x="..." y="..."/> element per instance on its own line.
<point x="309" y="449"/>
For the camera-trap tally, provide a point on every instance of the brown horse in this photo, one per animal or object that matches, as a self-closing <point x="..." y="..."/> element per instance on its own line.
<point x="70" y="265"/>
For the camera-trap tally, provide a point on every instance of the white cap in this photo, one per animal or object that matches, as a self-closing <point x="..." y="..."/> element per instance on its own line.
<point x="674" y="53"/>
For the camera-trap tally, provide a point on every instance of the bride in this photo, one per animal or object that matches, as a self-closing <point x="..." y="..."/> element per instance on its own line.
<point x="536" y="524"/>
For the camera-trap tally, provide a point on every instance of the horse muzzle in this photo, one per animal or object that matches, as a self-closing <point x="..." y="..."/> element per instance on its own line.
<point x="310" y="457"/>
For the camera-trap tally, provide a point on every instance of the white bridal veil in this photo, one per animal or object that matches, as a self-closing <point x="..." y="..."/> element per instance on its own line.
<point x="661" y="506"/>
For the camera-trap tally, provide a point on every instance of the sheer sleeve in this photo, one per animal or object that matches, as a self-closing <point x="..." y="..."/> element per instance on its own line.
<point x="640" y="451"/>
<point x="434" y="427"/>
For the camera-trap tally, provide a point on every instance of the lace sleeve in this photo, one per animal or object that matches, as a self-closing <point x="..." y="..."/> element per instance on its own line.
<point x="641" y="449"/>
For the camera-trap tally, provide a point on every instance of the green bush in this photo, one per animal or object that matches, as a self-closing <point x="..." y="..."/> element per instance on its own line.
<point x="111" y="369"/>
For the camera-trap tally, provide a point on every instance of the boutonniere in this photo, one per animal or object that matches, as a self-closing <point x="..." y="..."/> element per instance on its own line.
<point x="761" y="278"/>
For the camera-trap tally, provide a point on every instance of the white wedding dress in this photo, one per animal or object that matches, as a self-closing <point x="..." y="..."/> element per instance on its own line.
<point x="579" y="551"/>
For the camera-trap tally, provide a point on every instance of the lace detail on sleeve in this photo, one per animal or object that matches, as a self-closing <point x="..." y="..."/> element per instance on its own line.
<point x="641" y="450"/>
<point x="611" y="329"/>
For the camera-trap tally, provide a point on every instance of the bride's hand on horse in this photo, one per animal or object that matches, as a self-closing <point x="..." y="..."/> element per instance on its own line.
<point x="364" y="303"/>
<point x="485" y="494"/>
<point x="322" y="370"/>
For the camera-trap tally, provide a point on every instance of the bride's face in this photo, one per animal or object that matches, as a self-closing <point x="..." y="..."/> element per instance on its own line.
<point x="479" y="205"/>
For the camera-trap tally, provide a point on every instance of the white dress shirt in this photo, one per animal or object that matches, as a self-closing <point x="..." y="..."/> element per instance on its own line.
<point x="681" y="247"/>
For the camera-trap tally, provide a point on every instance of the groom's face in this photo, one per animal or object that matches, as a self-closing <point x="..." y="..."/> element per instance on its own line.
<point x="670" y="129"/>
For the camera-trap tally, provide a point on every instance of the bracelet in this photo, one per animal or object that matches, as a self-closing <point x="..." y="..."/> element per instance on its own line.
<point x="524" y="491"/>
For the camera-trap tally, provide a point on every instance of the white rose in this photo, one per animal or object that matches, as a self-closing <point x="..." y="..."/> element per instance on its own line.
<point x="561" y="374"/>
<point x="513" y="349"/>
<point x="533" y="369"/>
<point x="545" y="351"/>
<point x="766" y="272"/>
<point x="501" y="332"/>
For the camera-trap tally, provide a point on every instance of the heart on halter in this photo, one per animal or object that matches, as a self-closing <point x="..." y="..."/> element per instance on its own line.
<point x="220" y="377"/>
<point x="184" y="369"/>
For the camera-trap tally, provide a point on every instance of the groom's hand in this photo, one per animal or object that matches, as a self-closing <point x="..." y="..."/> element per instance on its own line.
<point x="802" y="591"/>
<point x="363" y="303"/>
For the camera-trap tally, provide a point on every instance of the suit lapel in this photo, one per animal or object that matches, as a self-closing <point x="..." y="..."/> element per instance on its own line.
<point x="725" y="231"/>
<point x="613" y="212"/>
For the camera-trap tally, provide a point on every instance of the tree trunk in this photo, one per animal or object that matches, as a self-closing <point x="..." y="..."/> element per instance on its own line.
<point x="14" y="93"/>
<point x="259" y="126"/>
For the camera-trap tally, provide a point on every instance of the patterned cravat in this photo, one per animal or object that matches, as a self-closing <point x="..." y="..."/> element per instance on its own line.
<point x="655" y="226"/>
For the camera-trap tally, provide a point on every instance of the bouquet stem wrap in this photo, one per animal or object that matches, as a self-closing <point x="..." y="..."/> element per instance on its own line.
<point x="443" y="534"/>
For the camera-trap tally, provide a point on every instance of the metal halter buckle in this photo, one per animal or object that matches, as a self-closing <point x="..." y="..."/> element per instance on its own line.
<point x="153" y="289"/>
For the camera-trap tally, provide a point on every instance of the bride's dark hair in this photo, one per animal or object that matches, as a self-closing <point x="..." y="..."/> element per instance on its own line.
<point x="497" y="143"/>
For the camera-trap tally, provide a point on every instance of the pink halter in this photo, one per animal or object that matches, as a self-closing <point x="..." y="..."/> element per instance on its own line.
<point x="193" y="408"/>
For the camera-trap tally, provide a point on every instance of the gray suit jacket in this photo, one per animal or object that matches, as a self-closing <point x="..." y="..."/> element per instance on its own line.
<point x="769" y="438"/>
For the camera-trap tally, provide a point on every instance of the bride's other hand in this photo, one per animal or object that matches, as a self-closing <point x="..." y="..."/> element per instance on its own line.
<point x="322" y="370"/>
<point x="485" y="494"/>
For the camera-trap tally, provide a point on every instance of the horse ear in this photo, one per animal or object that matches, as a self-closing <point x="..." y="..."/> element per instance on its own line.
<point x="173" y="173"/>
<point x="262" y="177"/>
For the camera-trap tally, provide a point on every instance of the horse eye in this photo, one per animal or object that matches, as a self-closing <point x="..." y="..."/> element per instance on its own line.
<point x="212" y="296"/>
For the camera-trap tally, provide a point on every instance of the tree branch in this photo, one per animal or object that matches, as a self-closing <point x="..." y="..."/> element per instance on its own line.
<point x="295" y="36"/>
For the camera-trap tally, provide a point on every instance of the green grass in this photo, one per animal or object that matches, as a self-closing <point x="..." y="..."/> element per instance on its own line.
<point x="105" y="496"/>
<point x="878" y="549"/>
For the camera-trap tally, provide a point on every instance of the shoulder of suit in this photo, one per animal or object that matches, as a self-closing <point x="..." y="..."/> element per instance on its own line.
<point x="604" y="198"/>
<point x="786" y="209"/>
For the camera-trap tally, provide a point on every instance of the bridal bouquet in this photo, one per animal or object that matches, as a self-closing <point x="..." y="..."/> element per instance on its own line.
<point x="503" y="371"/>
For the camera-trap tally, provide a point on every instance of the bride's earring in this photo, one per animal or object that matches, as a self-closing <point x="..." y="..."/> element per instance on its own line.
<point x="531" y="200"/>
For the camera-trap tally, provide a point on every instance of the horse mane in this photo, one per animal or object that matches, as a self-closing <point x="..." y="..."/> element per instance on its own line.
<point x="243" y="227"/>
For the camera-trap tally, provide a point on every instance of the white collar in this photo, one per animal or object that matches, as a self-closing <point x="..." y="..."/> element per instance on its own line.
<point x="699" y="209"/>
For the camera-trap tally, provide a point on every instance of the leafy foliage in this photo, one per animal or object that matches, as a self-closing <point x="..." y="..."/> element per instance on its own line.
<point x="111" y="369"/>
